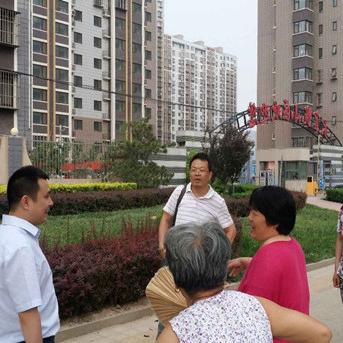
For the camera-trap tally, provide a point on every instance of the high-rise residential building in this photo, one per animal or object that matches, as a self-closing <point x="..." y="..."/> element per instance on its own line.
<point x="9" y="42"/>
<point x="95" y="62"/>
<point x="299" y="55"/>
<point x="200" y="85"/>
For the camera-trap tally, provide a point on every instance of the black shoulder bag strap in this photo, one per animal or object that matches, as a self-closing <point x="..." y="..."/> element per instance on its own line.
<point x="178" y="203"/>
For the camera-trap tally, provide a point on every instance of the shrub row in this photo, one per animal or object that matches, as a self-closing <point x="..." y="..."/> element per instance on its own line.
<point x="105" y="272"/>
<point x="86" y="187"/>
<point x="334" y="194"/>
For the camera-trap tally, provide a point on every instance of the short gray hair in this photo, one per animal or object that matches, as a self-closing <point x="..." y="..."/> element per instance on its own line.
<point x="197" y="256"/>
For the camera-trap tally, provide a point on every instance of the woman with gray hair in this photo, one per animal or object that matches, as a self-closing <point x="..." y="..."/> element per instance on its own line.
<point x="197" y="256"/>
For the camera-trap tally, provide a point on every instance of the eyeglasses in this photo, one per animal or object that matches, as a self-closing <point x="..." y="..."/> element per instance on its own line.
<point x="200" y="171"/>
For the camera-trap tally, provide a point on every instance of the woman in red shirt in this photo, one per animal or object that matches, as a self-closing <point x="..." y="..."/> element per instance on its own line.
<point x="278" y="270"/>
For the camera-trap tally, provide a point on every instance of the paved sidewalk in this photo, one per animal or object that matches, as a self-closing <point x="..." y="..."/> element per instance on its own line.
<point x="320" y="202"/>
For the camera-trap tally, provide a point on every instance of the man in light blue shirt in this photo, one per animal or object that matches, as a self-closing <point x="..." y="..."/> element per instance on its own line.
<point x="28" y="303"/>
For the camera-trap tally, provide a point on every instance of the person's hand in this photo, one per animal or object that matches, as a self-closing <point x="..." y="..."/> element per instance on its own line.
<point x="335" y="280"/>
<point x="162" y="251"/>
<point x="236" y="266"/>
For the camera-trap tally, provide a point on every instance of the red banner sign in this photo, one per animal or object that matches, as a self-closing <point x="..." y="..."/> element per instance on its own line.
<point x="265" y="114"/>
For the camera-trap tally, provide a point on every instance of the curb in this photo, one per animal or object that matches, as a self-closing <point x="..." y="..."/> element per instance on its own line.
<point x="143" y="311"/>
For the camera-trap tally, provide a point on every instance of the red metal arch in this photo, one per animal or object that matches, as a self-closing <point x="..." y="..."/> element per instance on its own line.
<point x="303" y="117"/>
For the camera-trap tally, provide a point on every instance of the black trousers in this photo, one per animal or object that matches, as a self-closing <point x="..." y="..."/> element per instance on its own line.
<point x="50" y="339"/>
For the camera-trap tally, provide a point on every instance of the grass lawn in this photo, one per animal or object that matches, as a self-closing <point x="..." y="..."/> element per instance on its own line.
<point x="315" y="228"/>
<point x="72" y="229"/>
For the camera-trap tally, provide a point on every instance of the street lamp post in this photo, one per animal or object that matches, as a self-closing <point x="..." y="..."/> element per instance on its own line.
<point x="318" y="160"/>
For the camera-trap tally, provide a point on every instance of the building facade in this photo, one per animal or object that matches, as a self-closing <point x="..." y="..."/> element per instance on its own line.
<point x="95" y="65"/>
<point x="9" y="42"/>
<point x="200" y="85"/>
<point x="299" y="56"/>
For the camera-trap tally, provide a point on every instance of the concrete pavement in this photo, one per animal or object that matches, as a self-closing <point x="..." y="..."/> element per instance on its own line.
<point x="326" y="306"/>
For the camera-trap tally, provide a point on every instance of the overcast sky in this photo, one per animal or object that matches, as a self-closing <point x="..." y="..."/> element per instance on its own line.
<point x="231" y="24"/>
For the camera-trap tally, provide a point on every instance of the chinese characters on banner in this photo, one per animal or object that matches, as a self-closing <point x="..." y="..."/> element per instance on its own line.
<point x="265" y="114"/>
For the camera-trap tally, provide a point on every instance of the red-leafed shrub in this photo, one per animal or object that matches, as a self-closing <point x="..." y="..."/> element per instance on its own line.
<point x="104" y="272"/>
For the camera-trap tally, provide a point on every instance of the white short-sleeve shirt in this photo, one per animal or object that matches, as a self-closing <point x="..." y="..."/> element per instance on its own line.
<point x="25" y="280"/>
<point x="209" y="208"/>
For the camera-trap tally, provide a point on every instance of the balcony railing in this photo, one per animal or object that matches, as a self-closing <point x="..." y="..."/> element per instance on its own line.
<point x="8" y="90"/>
<point x="8" y="27"/>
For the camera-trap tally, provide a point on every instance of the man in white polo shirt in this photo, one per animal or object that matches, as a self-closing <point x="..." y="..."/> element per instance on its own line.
<point x="200" y="202"/>
<point x="28" y="304"/>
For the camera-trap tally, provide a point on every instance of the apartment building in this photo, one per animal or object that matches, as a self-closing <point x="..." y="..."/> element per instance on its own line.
<point x="9" y="43"/>
<point x="200" y="85"/>
<point x="299" y="59"/>
<point x="101" y="59"/>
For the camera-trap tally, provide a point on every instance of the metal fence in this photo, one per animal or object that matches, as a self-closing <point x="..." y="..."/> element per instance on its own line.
<point x="70" y="160"/>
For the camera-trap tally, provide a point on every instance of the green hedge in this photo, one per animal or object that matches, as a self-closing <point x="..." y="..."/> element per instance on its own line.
<point x="334" y="194"/>
<point x="85" y="187"/>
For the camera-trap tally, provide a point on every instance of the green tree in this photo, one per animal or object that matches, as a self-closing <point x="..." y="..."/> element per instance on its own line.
<point x="131" y="161"/>
<point x="229" y="150"/>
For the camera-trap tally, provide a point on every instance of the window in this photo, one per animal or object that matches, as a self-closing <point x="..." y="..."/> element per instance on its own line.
<point x="62" y="98"/>
<point x="62" y="52"/>
<point x="319" y="99"/>
<point x="121" y="4"/>
<point x="39" y="94"/>
<point x="320" y="29"/>
<point x="303" y="26"/>
<point x="334" y="26"/>
<point x="97" y="21"/>
<point x="333" y="72"/>
<point x="120" y="86"/>
<point x="120" y="24"/>
<point x="136" y="48"/>
<point x="136" y="8"/>
<point x="77" y="81"/>
<point x="137" y="89"/>
<point x="137" y="28"/>
<point x="320" y="5"/>
<point x="120" y="66"/>
<point x="97" y="105"/>
<point x="62" y="6"/>
<point x="62" y="120"/>
<point x="40" y="118"/>
<point x="334" y="97"/>
<point x="120" y="45"/>
<point x="41" y="3"/>
<point x="148" y="74"/>
<point x="333" y="120"/>
<point x="302" y="97"/>
<point x="97" y="85"/>
<point x="78" y="37"/>
<point x="147" y="36"/>
<point x="39" y="71"/>
<point x="120" y="106"/>
<point x="148" y="93"/>
<point x="137" y="69"/>
<point x="147" y="16"/>
<point x="319" y="75"/>
<point x="334" y="50"/>
<point x="97" y="126"/>
<point x="300" y="4"/>
<point x="77" y="15"/>
<point x="136" y="108"/>
<point x="77" y="124"/>
<point x="78" y="103"/>
<point x="39" y="47"/>
<point x="62" y="29"/>
<point x="334" y="3"/>
<point x="97" y="42"/>
<point x="320" y="53"/>
<point x="62" y="75"/>
<point x="302" y="50"/>
<point x="148" y="55"/>
<point x="302" y="74"/>
<point x="39" y="23"/>
<point x="78" y="59"/>
<point x="97" y="63"/>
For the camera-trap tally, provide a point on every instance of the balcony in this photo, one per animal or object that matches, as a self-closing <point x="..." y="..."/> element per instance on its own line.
<point x="8" y="90"/>
<point x="8" y="27"/>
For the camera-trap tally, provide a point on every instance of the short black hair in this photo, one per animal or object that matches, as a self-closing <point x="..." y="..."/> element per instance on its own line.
<point x="203" y="157"/>
<point x="24" y="181"/>
<point x="277" y="205"/>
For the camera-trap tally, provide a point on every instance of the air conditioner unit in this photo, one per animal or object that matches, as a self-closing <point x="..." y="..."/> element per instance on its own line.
<point x="73" y="111"/>
<point x="73" y="89"/>
<point x="73" y="67"/>
<point x="73" y="45"/>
